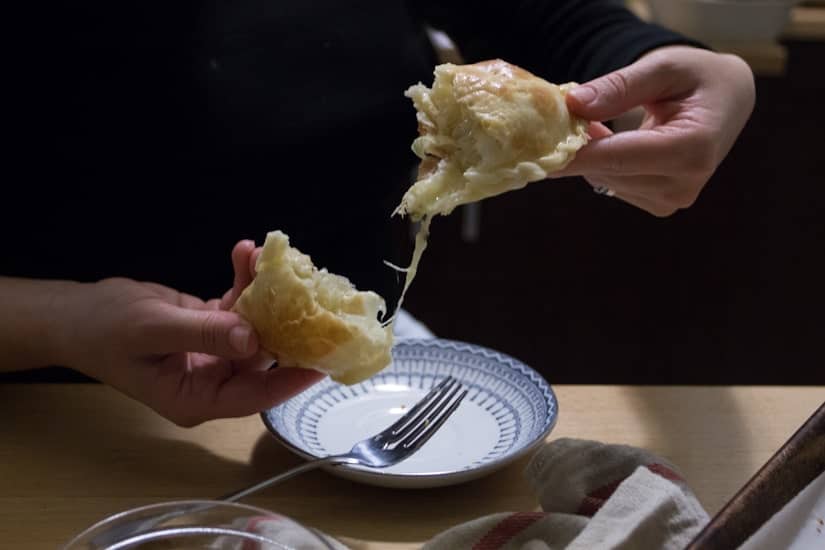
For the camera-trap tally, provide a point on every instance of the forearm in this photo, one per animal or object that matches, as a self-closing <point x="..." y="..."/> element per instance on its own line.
<point x="561" y="40"/>
<point x="33" y="323"/>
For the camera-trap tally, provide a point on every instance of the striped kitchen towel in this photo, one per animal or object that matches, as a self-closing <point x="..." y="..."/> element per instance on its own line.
<point x="593" y="496"/>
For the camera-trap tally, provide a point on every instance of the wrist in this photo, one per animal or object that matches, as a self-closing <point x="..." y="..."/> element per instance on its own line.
<point x="33" y="323"/>
<point x="67" y="308"/>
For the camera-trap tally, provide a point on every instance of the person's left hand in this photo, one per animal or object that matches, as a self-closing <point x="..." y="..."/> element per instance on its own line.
<point x="187" y="359"/>
<point x="696" y="103"/>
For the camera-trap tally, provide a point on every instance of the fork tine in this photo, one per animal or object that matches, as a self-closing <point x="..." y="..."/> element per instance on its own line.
<point x="446" y="395"/>
<point x="432" y="423"/>
<point x="420" y="408"/>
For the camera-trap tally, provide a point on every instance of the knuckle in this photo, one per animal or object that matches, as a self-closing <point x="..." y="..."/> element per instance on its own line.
<point x="209" y="331"/>
<point x="667" y="68"/>
<point x="662" y="211"/>
<point x="679" y="196"/>
<point x="615" y="86"/>
<point x="699" y="155"/>
<point x="738" y="64"/>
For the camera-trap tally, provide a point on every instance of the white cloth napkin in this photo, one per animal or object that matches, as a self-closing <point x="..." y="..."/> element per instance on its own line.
<point x="593" y="496"/>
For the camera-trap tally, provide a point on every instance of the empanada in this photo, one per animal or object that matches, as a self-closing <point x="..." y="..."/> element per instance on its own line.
<point x="307" y="317"/>
<point x="484" y="129"/>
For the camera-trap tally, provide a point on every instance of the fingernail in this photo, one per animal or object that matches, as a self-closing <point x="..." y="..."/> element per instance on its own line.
<point x="583" y="94"/>
<point x="240" y="339"/>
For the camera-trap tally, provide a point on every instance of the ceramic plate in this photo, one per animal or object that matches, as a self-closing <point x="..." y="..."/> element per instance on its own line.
<point x="508" y="411"/>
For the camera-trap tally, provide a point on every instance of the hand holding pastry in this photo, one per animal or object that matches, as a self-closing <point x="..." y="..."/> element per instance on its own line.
<point x="188" y="359"/>
<point x="696" y="103"/>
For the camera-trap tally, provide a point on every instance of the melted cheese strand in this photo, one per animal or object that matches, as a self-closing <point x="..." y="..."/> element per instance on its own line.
<point x="420" y="245"/>
<point x="396" y="267"/>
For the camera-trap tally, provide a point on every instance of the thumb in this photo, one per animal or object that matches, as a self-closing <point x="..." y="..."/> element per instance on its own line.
<point x="222" y="333"/>
<point x="616" y="93"/>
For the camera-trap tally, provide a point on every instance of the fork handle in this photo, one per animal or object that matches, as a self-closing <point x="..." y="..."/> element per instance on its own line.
<point x="307" y="466"/>
<point x="121" y="532"/>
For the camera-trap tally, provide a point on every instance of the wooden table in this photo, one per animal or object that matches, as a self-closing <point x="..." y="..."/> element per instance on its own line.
<point x="72" y="454"/>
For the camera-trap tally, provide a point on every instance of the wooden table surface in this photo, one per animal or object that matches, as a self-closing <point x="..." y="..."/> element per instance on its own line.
<point x="72" y="454"/>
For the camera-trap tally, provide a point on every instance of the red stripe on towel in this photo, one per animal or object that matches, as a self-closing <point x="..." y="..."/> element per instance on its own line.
<point x="665" y="472"/>
<point x="506" y="529"/>
<point x="596" y="499"/>
<point x="592" y="502"/>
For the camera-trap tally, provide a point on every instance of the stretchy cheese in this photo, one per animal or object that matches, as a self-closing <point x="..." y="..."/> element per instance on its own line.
<point x="484" y="129"/>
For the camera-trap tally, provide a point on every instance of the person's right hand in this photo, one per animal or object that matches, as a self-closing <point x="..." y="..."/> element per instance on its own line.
<point x="187" y="359"/>
<point x="696" y="103"/>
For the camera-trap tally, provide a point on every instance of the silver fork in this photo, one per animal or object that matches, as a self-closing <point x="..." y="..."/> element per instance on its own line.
<point x="388" y="447"/>
<point x="384" y="449"/>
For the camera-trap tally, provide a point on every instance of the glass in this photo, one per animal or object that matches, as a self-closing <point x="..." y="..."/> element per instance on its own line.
<point x="199" y="524"/>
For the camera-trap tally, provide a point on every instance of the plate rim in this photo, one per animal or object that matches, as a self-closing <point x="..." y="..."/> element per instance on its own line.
<point x="382" y="476"/>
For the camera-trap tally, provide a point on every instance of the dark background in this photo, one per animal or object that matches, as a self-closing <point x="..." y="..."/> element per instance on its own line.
<point x="587" y="289"/>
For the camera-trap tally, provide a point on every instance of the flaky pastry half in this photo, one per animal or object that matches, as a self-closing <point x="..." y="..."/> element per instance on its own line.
<point x="485" y="129"/>
<point x="307" y="317"/>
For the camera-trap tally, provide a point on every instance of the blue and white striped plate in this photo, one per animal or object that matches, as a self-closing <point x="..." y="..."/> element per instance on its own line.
<point x="508" y="411"/>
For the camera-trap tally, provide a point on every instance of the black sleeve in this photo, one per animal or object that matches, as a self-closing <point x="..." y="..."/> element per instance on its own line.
<point x="561" y="40"/>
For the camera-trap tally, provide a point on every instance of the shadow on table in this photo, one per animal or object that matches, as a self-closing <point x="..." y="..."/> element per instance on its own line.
<point x="91" y="451"/>
<point x="696" y="426"/>
<point x="345" y="508"/>
<point x="85" y="451"/>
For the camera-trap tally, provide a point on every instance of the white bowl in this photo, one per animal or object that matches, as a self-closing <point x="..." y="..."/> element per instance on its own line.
<point x="724" y="21"/>
<point x="508" y="411"/>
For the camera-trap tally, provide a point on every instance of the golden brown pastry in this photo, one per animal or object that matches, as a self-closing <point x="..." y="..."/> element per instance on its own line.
<point x="309" y="318"/>
<point x="485" y="129"/>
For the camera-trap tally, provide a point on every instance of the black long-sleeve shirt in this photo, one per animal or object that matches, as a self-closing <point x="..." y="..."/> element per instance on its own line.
<point x="148" y="137"/>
